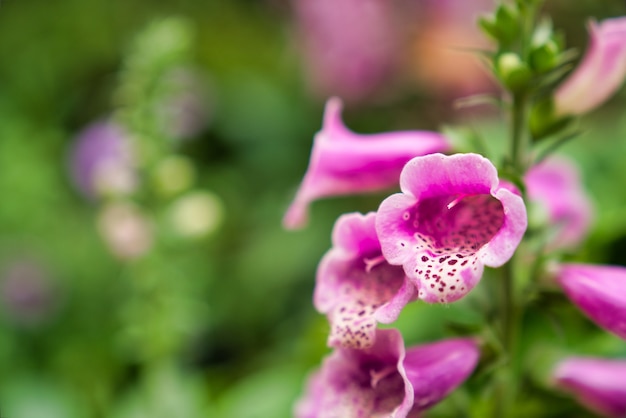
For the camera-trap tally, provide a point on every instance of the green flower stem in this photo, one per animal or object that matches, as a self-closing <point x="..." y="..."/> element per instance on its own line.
<point x="506" y="378"/>
<point x="520" y="139"/>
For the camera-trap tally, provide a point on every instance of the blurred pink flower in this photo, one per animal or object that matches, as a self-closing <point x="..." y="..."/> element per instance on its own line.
<point x="101" y="161"/>
<point x="350" y="47"/>
<point x="600" y="73"/>
<point x="125" y="229"/>
<point x="28" y="295"/>
<point x="599" y="384"/>
<point x="599" y="291"/>
<point x="554" y="186"/>
<point x="453" y="217"/>
<point x="442" y="57"/>
<point x="344" y="163"/>
<point x="356" y="287"/>
<point x="384" y="381"/>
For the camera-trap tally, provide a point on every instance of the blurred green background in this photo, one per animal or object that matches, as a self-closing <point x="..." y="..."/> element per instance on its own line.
<point x="218" y="323"/>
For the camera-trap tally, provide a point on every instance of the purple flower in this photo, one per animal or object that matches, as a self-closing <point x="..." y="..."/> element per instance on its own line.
<point x="384" y="381"/>
<point x="343" y="162"/>
<point x="599" y="291"/>
<point x="350" y="47"/>
<point x="599" y="384"/>
<point x="555" y="187"/>
<point x="102" y="162"/>
<point x="601" y="71"/>
<point x="453" y="217"/>
<point x="28" y="295"/>
<point x="356" y="287"/>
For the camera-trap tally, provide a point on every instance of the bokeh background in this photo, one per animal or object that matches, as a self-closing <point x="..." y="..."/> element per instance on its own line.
<point x="163" y="285"/>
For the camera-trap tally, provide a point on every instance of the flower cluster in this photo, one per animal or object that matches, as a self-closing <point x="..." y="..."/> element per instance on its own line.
<point x="453" y="216"/>
<point x="429" y="242"/>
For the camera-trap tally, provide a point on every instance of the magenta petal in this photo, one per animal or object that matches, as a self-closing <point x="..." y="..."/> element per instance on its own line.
<point x="360" y="383"/>
<point x="599" y="291"/>
<point x="555" y="187"/>
<point x="453" y="217"/>
<point x="355" y="285"/>
<point x="601" y="71"/>
<point x="344" y="163"/>
<point x="599" y="384"/>
<point x="436" y="369"/>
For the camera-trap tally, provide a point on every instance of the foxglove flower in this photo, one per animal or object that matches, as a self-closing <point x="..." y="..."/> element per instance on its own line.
<point x="554" y="187"/>
<point x="444" y="29"/>
<point x="384" y="381"/>
<point x="28" y="295"/>
<point x="350" y="47"/>
<point x="453" y="217"/>
<point x="600" y="73"/>
<point x="356" y="287"/>
<point x="599" y="384"/>
<point x="599" y="291"/>
<point x="344" y="163"/>
<point x="102" y="161"/>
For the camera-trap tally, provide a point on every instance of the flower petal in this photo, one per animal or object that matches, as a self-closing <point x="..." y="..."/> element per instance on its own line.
<point x="344" y="163"/>
<point x="600" y="73"/>
<point x="453" y="217"/>
<point x="555" y="186"/>
<point x="599" y="291"/>
<point x="599" y="384"/>
<point x="436" y="369"/>
<point x="355" y="286"/>
<point x="360" y="383"/>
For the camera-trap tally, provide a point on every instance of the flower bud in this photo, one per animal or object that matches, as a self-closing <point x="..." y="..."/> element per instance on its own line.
<point x="599" y="291"/>
<point x="600" y="73"/>
<point x="599" y="384"/>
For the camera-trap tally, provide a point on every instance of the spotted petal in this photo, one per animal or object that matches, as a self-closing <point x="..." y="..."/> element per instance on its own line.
<point x="356" y="287"/>
<point x="383" y="381"/>
<point x="453" y="217"/>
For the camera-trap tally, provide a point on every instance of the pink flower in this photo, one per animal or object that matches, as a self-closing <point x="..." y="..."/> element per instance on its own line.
<point x="102" y="161"/>
<point x="599" y="291"/>
<point x="453" y="217"/>
<point x="343" y="162"/>
<point x="599" y="384"/>
<point x="439" y="58"/>
<point x="383" y="381"/>
<point x="601" y="71"/>
<point x="356" y="287"/>
<point x="555" y="187"/>
<point x="350" y="47"/>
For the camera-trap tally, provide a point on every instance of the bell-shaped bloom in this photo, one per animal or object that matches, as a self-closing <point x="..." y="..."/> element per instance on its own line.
<point x="350" y="47"/>
<point x="599" y="384"/>
<point x="356" y="287"/>
<point x="600" y="73"/>
<point x="344" y="163"/>
<point x="555" y="189"/>
<point x="386" y="381"/>
<point x="599" y="291"/>
<point x="102" y="161"/>
<point x="452" y="218"/>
